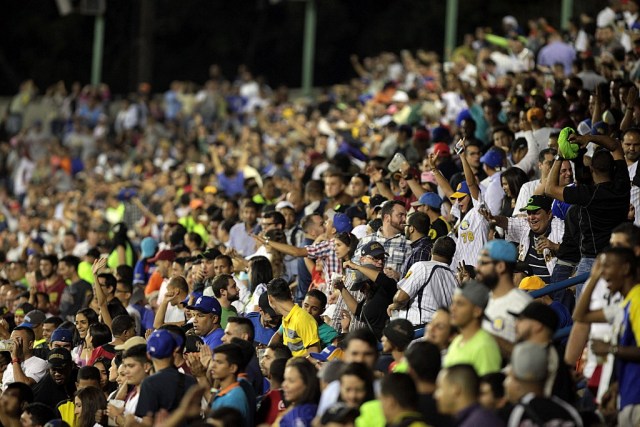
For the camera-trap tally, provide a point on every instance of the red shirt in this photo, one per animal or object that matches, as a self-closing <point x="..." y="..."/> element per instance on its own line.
<point x="54" y="291"/>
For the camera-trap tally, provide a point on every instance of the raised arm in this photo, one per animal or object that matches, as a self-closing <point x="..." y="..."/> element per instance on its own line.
<point x="552" y="187"/>
<point x="215" y="159"/>
<point x="281" y="247"/>
<point x="440" y="179"/>
<point x="469" y="176"/>
<point x="627" y="120"/>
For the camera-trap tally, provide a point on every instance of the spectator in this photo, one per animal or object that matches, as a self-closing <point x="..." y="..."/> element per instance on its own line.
<point x="25" y="367"/>
<point x="206" y="320"/>
<point x="302" y="390"/>
<point x="399" y="399"/>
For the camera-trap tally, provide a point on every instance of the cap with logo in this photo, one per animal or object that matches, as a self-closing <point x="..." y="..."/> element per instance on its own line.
<point x="59" y="357"/>
<point x="62" y="335"/>
<point x="501" y="250"/>
<point x="373" y="249"/>
<point x="330" y="352"/>
<point x="441" y="149"/>
<point x="341" y="414"/>
<point x="461" y="190"/>
<point x="494" y="158"/>
<point x="342" y="223"/>
<point x="162" y="343"/>
<point x="33" y="319"/>
<point x="207" y="305"/>
<point x="538" y="201"/>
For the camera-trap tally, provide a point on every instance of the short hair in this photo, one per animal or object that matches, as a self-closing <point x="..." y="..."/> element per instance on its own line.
<point x="89" y="373"/>
<point x="387" y="207"/>
<point x="314" y="187"/>
<point x="279" y="289"/>
<point x="504" y="129"/>
<point x="631" y="231"/>
<point x="625" y="255"/>
<point x="277" y="217"/>
<point x="72" y="261"/>
<point x="496" y="382"/>
<point x="227" y="416"/>
<point x="54" y="320"/>
<point x="401" y="388"/>
<point x="177" y="331"/>
<point x="128" y="286"/>
<point x="276" y="370"/>
<point x="125" y="273"/>
<point x="424" y="359"/>
<point x="40" y="413"/>
<point x="180" y="283"/>
<point x="364" y="177"/>
<point x="137" y="352"/>
<point x="30" y="334"/>
<point x="280" y="351"/>
<point x="53" y="259"/>
<point x="100" y="334"/>
<point x="362" y="334"/>
<point x="465" y="376"/>
<point x="220" y="282"/>
<point x="197" y="239"/>
<point x="227" y="224"/>
<point x="319" y="295"/>
<point x="121" y="324"/>
<point x="602" y="161"/>
<point x="420" y="221"/>
<point x="545" y="152"/>
<point x="109" y="279"/>
<point x="25" y="393"/>
<point x="307" y="221"/>
<point x="444" y="246"/>
<point x="234" y="355"/>
<point x="249" y="204"/>
<point x="245" y="326"/>
<point x="227" y="258"/>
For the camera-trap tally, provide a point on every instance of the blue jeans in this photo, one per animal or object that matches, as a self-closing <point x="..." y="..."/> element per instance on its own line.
<point x="565" y="296"/>
<point x="584" y="266"/>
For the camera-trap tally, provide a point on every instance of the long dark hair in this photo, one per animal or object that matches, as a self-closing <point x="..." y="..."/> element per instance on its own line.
<point x="261" y="272"/>
<point x="93" y="400"/>
<point x="515" y="178"/>
<point x="309" y="375"/>
<point x="349" y="240"/>
<point x="100" y="334"/>
<point x="364" y="373"/>
<point x="90" y="314"/>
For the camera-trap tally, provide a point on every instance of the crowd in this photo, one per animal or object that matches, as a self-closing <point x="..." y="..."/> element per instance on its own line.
<point x="223" y="254"/>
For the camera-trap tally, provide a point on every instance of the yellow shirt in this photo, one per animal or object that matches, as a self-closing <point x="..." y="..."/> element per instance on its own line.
<point x="300" y="331"/>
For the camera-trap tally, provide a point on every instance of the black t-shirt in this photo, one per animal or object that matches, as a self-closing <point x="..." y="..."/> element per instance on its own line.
<point x="116" y="308"/>
<point x="48" y="392"/>
<point x="438" y="229"/>
<point x="602" y="207"/>
<point x="569" y="249"/>
<point x="373" y="309"/>
<point x="164" y="389"/>
<point x="544" y="411"/>
<point x="429" y="410"/>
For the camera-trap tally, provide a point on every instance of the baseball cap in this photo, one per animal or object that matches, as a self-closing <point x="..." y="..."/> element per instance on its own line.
<point x="538" y="201"/>
<point x="284" y="204"/>
<point x="539" y="312"/>
<point x="429" y="199"/>
<point x="501" y="250"/>
<point x="340" y="413"/>
<point x="62" y="335"/>
<point x="161" y="344"/>
<point x="461" y="190"/>
<point x="342" y="223"/>
<point x="531" y="283"/>
<point x="535" y="113"/>
<point x="330" y="352"/>
<point x="441" y="149"/>
<point x="208" y="305"/>
<point x="373" y="201"/>
<point x="475" y="292"/>
<point x="56" y="423"/>
<point x="600" y="128"/>
<point x="131" y="342"/>
<point x="164" y="255"/>
<point x="33" y="319"/>
<point x="529" y="362"/>
<point x="59" y="357"/>
<point x="263" y="303"/>
<point x="210" y="254"/>
<point x="196" y="203"/>
<point x="210" y="189"/>
<point x="148" y="247"/>
<point x="584" y="127"/>
<point x="399" y="332"/>
<point x="195" y="296"/>
<point x="493" y="158"/>
<point x="373" y="249"/>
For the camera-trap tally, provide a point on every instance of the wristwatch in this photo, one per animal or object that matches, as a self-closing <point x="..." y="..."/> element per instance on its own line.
<point x="559" y="157"/>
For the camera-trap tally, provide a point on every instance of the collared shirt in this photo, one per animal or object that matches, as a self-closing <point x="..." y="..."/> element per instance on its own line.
<point x="436" y="293"/>
<point x="420" y="251"/>
<point x="300" y="331"/>
<point x="397" y="248"/>
<point x="241" y="241"/>
<point x="326" y="251"/>
<point x="519" y="231"/>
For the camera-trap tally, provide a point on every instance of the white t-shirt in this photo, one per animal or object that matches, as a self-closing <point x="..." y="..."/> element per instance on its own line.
<point x="34" y="368"/>
<point x="499" y="322"/>
<point x="174" y="314"/>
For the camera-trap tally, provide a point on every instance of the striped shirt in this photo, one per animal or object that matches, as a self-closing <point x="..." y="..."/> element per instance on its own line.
<point x="420" y="251"/>
<point x="397" y="248"/>
<point x="349" y="277"/>
<point x="519" y="231"/>
<point x="325" y="250"/>
<point x="435" y="282"/>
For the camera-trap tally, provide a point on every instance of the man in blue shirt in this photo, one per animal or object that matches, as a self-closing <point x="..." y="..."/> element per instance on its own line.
<point x="206" y="320"/>
<point x="227" y="363"/>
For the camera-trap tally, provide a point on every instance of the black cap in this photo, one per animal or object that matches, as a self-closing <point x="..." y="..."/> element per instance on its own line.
<point x="210" y="254"/>
<point x="538" y="201"/>
<point x="340" y="413"/>
<point x="539" y="312"/>
<point x="356" y="212"/>
<point x="264" y="305"/>
<point x="59" y="357"/>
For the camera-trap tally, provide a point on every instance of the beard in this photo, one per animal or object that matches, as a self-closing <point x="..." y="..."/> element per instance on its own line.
<point x="490" y="280"/>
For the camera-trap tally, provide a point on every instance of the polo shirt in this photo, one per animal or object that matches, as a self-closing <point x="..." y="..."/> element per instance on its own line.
<point x="214" y="338"/>
<point x="481" y="352"/>
<point x="300" y="331"/>
<point x="232" y="396"/>
<point x="262" y="335"/>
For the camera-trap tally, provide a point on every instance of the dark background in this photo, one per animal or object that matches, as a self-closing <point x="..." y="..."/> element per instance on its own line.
<point x="189" y="35"/>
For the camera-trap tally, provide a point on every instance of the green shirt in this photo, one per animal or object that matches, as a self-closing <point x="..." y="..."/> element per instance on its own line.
<point x="84" y="271"/>
<point x="226" y="313"/>
<point x="481" y="351"/>
<point x="326" y="334"/>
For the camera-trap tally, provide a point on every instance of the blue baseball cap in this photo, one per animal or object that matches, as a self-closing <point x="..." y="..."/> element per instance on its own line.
<point x="195" y="296"/>
<point x="161" y="344"/>
<point x="342" y="223"/>
<point x="600" y="128"/>
<point x="62" y="335"/>
<point x="501" y="250"/>
<point x="493" y="158"/>
<point x="330" y="352"/>
<point x="461" y="190"/>
<point x="207" y="305"/>
<point x="148" y="246"/>
<point x="429" y="199"/>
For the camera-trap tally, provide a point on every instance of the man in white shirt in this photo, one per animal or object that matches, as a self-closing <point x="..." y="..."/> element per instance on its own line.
<point x="495" y="268"/>
<point x="25" y="367"/>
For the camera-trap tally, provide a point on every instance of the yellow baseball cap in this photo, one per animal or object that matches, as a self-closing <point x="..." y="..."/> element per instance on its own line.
<point x="532" y="283"/>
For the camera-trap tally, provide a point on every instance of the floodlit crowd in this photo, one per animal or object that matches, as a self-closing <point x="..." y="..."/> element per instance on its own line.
<point x="428" y="244"/>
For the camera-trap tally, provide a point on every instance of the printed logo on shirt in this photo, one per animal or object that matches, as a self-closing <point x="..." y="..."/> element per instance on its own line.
<point x="464" y="225"/>
<point x="409" y="273"/>
<point x="498" y="324"/>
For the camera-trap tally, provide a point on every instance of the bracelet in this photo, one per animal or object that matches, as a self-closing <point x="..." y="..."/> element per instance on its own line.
<point x="15" y="361"/>
<point x="613" y="349"/>
<point x="559" y="157"/>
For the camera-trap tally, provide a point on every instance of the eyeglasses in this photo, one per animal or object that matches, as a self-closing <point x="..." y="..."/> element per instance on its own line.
<point x="485" y="262"/>
<point x="265" y="224"/>
<point x="122" y="291"/>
